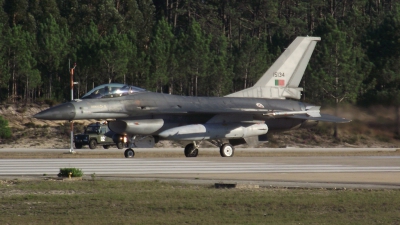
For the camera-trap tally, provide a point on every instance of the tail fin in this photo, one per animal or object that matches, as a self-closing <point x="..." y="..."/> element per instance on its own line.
<point x="283" y="78"/>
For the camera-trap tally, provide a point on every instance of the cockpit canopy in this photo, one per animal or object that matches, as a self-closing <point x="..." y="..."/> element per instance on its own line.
<point x="111" y="91"/>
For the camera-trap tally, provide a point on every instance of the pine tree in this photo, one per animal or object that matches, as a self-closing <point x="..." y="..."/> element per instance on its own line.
<point x="130" y="14"/>
<point x="252" y="59"/>
<point x="218" y="80"/>
<point x="335" y="77"/>
<point x="16" y="11"/>
<point x="4" y="75"/>
<point x="52" y="51"/>
<point x="21" y="62"/>
<point x="196" y="48"/>
<point x="88" y="56"/>
<point x="107" y="16"/>
<point x="384" y="50"/>
<point x="145" y="24"/>
<point x="161" y="52"/>
<point x="115" y="52"/>
<point x="42" y="10"/>
<point x="139" y="63"/>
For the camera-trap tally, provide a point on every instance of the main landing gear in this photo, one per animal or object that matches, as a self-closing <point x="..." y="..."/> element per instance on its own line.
<point x="225" y="150"/>
<point x="191" y="150"/>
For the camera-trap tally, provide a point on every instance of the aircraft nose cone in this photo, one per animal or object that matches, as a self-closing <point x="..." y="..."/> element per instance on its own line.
<point x="64" y="111"/>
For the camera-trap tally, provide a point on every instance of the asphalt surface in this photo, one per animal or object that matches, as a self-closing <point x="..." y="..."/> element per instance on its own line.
<point x="309" y="172"/>
<point x="180" y="150"/>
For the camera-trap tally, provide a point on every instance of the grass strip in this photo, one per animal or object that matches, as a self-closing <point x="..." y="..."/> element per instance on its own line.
<point x="154" y="202"/>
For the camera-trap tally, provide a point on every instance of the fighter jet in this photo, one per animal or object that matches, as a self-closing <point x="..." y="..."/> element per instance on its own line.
<point x="141" y="118"/>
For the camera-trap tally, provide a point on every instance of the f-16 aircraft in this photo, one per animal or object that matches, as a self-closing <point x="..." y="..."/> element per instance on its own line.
<point x="142" y="118"/>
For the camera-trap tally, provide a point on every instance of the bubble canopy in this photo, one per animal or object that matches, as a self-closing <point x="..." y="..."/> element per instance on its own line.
<point x="112" y="90"/>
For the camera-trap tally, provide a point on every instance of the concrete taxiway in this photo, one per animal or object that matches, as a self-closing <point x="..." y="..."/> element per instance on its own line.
<point x="319" y="171"/>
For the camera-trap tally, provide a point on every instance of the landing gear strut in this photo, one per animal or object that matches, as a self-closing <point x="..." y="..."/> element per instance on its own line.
<point x="226" y="149"/>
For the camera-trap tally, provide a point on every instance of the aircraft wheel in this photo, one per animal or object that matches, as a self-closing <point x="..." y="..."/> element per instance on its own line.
<point x="78" y="145"/>
<point x="120" y="145"/>
<point x="92" y="144"/>
<point x="129" y="153"/>
<point x="227" y="150"/>
<point x="191" y="150"/>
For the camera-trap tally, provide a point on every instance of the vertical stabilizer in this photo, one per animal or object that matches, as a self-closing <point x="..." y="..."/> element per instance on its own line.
<point x="283" y="78"/>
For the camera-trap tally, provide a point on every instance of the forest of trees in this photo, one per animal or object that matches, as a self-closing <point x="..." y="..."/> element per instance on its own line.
<point x="200" y="48"/>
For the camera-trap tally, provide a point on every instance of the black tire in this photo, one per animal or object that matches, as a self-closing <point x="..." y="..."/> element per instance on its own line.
<point x="195" y="153"/>
<point x="92" y="144"/>
<point x="106" y="146"/>
<point x="78" y="145"/>
<point x="129" y="153"/>
<point x="226" y="150"/>
<point x="120" y="145"/>
<point x="191" y="150"/>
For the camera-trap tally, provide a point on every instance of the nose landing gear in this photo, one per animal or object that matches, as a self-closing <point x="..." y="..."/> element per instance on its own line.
<point x="129" y="153"/>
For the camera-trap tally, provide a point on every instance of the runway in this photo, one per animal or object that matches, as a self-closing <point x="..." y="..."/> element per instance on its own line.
<point x="324" y="171"/>
<point x="184" y="166"/>
<point x="180" y="150"/>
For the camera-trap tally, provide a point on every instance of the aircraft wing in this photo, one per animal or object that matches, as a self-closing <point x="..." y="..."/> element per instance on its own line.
<point x="311" y="113"/>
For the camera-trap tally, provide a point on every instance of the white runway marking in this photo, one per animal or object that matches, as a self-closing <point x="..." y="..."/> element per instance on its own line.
<point x="151" y="166"/>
